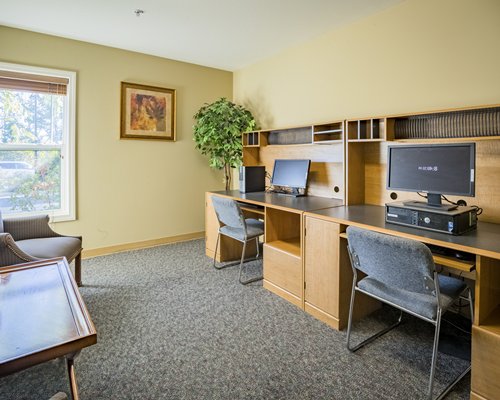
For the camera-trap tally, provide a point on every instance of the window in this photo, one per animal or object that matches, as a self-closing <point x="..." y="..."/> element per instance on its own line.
<point x="37" y="141"/>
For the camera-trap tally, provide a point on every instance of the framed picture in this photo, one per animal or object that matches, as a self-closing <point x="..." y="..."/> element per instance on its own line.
<point x="147" y="112"/>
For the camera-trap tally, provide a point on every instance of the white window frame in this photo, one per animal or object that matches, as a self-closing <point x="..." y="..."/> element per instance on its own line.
<point x="67" y="212"/>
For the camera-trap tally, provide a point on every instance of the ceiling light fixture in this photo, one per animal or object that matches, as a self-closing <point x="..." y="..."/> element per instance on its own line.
<point x="138" y="12"/>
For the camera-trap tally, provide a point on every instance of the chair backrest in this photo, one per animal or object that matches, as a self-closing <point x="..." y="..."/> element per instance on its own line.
<point x="228" y="212"/>
<point x="402" y="263"/>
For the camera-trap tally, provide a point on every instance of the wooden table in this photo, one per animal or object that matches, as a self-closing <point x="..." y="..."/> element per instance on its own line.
<point x="42" y="316"/>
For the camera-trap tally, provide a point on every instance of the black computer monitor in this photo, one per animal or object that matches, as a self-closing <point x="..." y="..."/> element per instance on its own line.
<point x="291" y="174"/>
<point x="435" y="169"/>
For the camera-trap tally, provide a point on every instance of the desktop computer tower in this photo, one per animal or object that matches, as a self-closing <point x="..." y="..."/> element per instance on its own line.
<point x="252" y="179"/>
<point x="454" y="222"/>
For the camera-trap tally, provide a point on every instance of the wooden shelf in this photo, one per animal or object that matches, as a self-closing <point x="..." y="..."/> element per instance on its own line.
<point x="492" y="323"/>
<point x="365" y="140"/>
<point x="366" y="130"/>
<point x="288" y="145"/>
<point x="253" y="210"/>
<point x="322" y="143"/>
<point x="483" y="122"/>
<point x="328" y="131"/>
<point x="452" y="262"/>
<point x="447" y="140"/>
<point x="485" y="355"/>
<point x="251" y="139"/>
<point x="288" y="246"/>
<point x="328" y="141"/>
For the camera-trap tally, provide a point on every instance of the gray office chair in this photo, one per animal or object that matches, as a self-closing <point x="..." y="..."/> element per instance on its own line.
<point x="233" y="224"/>
<point x="401" y="272"/>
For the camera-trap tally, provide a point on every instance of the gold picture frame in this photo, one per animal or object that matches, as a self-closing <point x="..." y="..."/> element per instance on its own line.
<point x="147" y="112"/>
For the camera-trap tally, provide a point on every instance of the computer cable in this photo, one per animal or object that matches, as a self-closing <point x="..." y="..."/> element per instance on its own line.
<point x="455" y="326"/>
<point x="479" y="210"/>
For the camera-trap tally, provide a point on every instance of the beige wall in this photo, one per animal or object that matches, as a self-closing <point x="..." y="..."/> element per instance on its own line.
<point x="128" y="190"/>
<point x="418" y="55"/>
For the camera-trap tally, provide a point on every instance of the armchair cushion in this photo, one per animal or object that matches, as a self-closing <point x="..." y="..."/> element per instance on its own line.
<point x="62" y="246"/>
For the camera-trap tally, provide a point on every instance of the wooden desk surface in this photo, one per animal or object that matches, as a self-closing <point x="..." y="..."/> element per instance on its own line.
<point x="42" y="315"/>
<point x="279" y="201"/>
<point x="485" y="240"/>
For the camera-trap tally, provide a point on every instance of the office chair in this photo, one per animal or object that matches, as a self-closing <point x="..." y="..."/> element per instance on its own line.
<point x="401" y="272"/>
<point x="233" y="224"/>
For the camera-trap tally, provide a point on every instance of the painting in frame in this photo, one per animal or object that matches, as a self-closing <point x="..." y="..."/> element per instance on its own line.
<point x="147" y="112"/>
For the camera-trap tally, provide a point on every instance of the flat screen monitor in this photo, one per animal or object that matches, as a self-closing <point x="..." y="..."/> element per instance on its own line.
<point x="291" y="173"/>
<point x="435" y="169"/>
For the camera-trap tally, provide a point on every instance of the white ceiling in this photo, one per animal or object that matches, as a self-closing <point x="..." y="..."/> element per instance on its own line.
<point x="225" y="34"/>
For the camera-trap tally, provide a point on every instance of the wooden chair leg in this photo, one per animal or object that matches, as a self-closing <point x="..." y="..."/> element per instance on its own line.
<point x="78" y="269"/>
<point x="72" y="377"/>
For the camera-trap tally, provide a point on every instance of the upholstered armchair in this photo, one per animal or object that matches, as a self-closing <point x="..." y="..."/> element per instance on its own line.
<point x="27" y="239"/>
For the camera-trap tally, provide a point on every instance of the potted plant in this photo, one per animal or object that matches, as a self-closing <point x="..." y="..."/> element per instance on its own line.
<point x="217" y="133"/>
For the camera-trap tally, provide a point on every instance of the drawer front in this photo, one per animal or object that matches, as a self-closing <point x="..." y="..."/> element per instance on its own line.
<point x="485" y="363"/>
<point x="283" y="270"/>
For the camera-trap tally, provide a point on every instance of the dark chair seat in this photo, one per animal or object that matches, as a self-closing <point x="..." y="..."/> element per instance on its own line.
<point x="61" y="246"/>
<point x="254" y="228"/>
<point x="419" y="303"/>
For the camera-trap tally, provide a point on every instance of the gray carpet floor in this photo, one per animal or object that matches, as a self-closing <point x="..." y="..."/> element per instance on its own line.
<point x="171" y="327"/>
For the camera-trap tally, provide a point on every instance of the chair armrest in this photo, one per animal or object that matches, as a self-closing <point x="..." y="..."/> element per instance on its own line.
<point x="10" y="254"/>
<point x="34" y="227"/>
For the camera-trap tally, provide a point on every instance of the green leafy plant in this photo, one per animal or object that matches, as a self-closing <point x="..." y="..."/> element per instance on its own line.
<point x="217" y="133"/>
<point x="42" y="190"/>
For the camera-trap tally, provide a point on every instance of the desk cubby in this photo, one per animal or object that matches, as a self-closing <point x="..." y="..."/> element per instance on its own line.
<point x="328" y="133"/>
<point x="283" y="255"/>
<point x="366" y="130"/>
<point x="254" y="139"/>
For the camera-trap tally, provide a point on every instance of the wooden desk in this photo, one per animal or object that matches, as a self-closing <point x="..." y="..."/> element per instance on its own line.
<point x="280" y="201"/>
<point x="42" y="317"/>
<point x="330" y="224"/>
<point x="283" y="238"/>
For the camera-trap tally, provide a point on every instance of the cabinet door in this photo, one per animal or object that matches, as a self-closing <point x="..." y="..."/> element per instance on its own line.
<point x="322" y="268"/>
